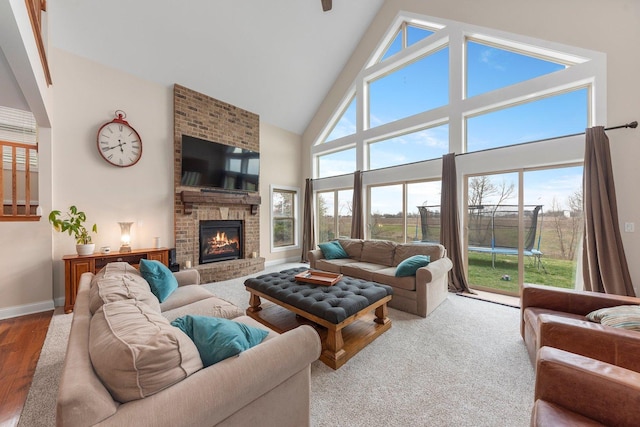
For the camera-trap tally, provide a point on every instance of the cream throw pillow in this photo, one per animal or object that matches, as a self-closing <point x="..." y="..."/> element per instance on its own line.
<point x="621" y="316"/>
<point x="136" y="352"/>
<point x="120" y="281"/>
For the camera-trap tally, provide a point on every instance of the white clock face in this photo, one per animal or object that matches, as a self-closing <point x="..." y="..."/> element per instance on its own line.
<point x="119" y="144"/>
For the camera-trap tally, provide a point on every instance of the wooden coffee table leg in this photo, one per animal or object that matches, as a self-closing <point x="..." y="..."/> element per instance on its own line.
<point x="254" y="303"/>
<point x="381" y="315"/>
<point x="334" y="344"/>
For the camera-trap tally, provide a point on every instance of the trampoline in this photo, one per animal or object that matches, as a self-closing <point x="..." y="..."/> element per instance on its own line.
<point x="492" y="229"/>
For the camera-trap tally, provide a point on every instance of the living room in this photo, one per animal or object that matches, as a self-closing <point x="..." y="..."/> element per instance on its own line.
<point x="85" y="95"/>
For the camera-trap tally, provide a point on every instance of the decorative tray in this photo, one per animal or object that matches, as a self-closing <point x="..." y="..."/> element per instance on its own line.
<point x="316" y="277"/>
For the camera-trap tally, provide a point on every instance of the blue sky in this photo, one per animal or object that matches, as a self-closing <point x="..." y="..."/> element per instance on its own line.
<point x="423" y="85"/>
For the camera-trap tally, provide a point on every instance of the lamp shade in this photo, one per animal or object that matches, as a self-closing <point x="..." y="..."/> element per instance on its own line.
<point x="125" y="236"/>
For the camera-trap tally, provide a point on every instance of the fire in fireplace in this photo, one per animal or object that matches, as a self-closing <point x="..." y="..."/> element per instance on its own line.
<point x="220" y="240"/>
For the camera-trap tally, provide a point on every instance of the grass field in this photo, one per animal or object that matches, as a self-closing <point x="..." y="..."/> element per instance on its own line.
<point x="559" y="273"/>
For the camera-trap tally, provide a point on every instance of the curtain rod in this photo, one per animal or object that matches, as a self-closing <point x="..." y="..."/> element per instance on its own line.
<point x="631" y="125"/>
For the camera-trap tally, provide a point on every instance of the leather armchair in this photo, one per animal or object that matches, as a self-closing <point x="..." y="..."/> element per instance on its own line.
<point x="555" y="317"/>
<point x="573" y="390"/>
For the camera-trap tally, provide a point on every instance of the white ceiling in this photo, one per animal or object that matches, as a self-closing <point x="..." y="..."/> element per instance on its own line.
<point x="276" y="58"/>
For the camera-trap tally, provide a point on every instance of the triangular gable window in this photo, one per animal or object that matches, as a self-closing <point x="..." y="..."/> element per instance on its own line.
<point x="407" y="35"/>
<point x="490" y="67"/>
<point x="394" y="47"/>
<point x="415" y="34"/>
<point x="346" y="124"/>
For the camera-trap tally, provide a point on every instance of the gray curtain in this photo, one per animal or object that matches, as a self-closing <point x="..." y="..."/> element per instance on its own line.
<point x="604" y="263"/>
<point x="450" y="224"/>
<point x="308" y="233"/>
<point x="357" y="225"/>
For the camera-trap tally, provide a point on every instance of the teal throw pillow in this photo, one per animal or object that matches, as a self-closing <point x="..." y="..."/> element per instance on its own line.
<point x="217" y="338"/>
<point x="409" y="266"/>
<point x="333" y="250"/>
<point x="160" y="278"/>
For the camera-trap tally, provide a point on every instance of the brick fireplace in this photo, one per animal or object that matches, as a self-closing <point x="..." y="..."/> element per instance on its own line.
<point x="207" y="118"/>
<point x="220" y="240"/>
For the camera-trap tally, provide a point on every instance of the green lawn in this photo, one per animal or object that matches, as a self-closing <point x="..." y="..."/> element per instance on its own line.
<point x="559" y="273"/>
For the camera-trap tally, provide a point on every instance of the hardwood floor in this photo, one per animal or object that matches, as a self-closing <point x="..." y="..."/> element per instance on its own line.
<point x="21" y="340"/>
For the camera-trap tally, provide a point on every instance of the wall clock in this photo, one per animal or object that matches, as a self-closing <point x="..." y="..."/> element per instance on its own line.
<point x="118" y="142"/>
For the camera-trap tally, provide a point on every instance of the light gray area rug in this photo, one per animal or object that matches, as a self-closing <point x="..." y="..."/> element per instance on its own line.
<point x="40" y="406"/>
<point x="464" y="365"/>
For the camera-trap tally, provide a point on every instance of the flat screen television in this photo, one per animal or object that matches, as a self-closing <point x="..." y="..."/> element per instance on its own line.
<point x="215" y="165"/>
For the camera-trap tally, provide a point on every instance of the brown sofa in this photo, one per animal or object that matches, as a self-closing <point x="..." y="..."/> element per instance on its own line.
<point x="573" y="390"/>
<point x="265" y="385"/>
<point x="556" y="318"/>
<point x="377" y="260"/>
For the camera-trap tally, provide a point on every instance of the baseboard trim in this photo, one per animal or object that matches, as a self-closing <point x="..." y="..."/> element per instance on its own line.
<point x="282" y="261"/>
<point x="23" y="310"/>
<point x="59" y="302"/>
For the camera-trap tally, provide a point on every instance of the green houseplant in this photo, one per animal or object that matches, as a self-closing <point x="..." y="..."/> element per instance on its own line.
<point x="72" y="222"/>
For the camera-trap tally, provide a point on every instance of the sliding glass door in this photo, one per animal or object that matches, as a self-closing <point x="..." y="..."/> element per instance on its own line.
<point x="523" y="227"/>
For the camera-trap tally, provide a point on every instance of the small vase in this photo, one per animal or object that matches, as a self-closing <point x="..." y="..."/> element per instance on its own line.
<point x="85" y="249"/>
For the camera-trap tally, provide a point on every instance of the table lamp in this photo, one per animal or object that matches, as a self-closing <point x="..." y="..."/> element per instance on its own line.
<point x="125" y="236"/>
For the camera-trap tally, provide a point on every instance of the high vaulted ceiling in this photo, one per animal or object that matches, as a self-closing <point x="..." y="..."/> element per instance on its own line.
<point x="276" y="58"/>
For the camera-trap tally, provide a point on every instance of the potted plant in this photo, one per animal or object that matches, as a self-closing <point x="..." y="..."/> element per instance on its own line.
<point x="73" y="223"/>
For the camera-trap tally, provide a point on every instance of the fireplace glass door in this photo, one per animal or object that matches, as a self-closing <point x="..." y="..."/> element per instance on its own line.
<point x="220" y="241"/>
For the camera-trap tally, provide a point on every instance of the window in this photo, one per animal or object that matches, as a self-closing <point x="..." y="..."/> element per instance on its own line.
<point x="418" y="79"/>
<point x="549" y="117"/>
<point x="491" y="67"/>
<point x="337" y="163"/>
<point x="284" y="214"/>
<point x="422" y="145"/>
<point x="346" y="124"/>
<point x="423" y="222"/>
<point x="19" y="181"/>
<point x="386" y="216"/>
<point x="394" y="211"/>
<point x="434" y="86"/>
<point x="334" y="214"/>
<point x="524" y="238"/>
<point x="407" y="35"/>
<point x="418" y="86"/>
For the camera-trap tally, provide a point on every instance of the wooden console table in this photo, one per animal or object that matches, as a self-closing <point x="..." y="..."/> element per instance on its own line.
<point x="76" y="265"/>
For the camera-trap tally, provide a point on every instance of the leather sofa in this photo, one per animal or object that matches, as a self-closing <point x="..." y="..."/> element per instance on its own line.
<point x="555" y="317"/>
<point x="377" y="260"/>
<point x="573" y="390"/>
<point x="268" y="384"/>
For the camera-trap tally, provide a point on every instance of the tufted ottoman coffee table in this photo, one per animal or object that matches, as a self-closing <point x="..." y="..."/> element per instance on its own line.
<point x="342" y="313"/>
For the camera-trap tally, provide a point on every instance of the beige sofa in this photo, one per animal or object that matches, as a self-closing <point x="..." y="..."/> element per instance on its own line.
<point x="265" y="385"/>
<point x="376" y="260"/>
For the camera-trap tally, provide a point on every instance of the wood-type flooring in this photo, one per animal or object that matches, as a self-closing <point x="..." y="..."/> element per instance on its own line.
<point x="21" y="340"/>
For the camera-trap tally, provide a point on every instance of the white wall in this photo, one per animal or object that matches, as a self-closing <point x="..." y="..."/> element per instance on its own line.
<point x="612" y="27"/>
<point x="25" y="252"/>
<point x="86" y="95"/>
<point x="279" y="165"/>
<point x="25" y="247"/>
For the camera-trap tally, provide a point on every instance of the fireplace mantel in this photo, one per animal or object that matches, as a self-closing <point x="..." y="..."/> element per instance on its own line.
<point x="189" y="198"/>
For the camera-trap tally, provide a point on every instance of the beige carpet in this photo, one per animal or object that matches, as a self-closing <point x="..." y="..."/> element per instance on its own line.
<point x="464" y="365"/>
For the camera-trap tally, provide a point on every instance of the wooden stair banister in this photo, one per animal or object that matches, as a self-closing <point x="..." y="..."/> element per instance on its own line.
<point x="14" y="208"/>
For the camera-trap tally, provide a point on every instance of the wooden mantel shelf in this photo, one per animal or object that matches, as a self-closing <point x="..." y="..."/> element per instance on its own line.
<point x="189" y="198"/>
